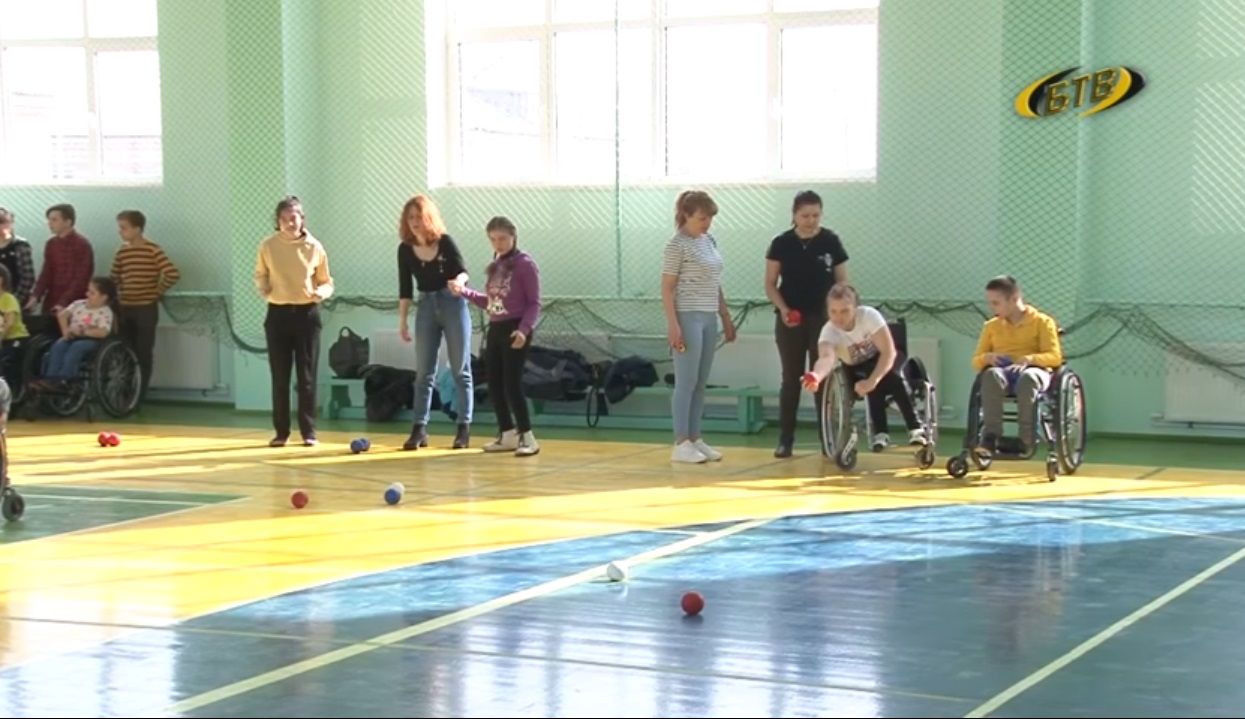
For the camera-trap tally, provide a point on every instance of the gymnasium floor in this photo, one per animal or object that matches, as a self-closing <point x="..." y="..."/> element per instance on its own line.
<point x="169" y="577"/>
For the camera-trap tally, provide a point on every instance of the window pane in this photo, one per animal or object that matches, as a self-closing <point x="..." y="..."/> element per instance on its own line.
<point x="498" y="13"/>
<point x="716" y="100"/>
<point x="127" y="90"/>
<point x="500" y="116"/>
<point x="41" y="19"/>
<point x="121" y="18"/>
<point x="48" y="123"/>
<point x="709" y="8"/>
<point x="585" y="87"/>
<point x="829" y="100"/>
<point x="600" y="10"/>
<point x="822" y="5"/>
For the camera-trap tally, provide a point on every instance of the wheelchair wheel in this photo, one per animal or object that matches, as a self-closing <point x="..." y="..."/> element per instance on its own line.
<point x="838" y="431"/>
<point x="116" y="380"/>
<point x="1070" y="430"/>
<point x="957" y="466"/>
<point x="31" y="365"/>
<point x="973" y="434"/>
<point x="925" y="457"/>
<point x="12" y="505"/>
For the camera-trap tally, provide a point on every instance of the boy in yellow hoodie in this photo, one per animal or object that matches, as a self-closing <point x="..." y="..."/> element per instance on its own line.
<point x="1018" y="351"/>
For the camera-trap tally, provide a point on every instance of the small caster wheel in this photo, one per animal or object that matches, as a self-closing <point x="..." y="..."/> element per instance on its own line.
<point x="846" y="459"/>
<point x="12" y="506"/>
<point x="957" y="467"/>
<point x="1052" y="469"/>
<point x="925" y="457"/>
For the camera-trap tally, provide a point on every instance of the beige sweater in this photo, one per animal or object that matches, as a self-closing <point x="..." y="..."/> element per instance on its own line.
<point x="293" y="270"/>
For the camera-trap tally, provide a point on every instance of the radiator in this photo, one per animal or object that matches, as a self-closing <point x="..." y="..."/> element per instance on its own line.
<point x="1194" y="393"/>
<point x="184" y="359"/>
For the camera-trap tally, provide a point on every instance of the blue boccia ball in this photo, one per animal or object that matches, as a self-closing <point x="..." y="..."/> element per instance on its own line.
<point x="367" y="443"/>
<point x="394" y="493"/>
<point x="357" y="446"/>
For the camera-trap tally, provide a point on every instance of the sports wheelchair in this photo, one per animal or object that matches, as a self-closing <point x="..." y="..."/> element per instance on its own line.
<point x="109" y="379"/>
<point x="839" y="431"/>
<point x="1059" y="417"/>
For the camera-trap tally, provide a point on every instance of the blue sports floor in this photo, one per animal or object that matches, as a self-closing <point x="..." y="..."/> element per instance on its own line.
<point x="1115" y="608"/>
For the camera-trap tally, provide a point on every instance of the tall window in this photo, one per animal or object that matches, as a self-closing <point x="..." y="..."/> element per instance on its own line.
<point x="79" y="92"/>
<point x="562" y="92"/>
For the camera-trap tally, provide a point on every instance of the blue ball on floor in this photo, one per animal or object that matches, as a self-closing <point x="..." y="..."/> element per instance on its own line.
<point x="367" y="443"/>
<point x="356" y="446"/>
<point x="394" y="493"/>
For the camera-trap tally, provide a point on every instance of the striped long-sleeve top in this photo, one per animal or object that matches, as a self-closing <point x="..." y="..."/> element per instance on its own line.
<point x="143" y="273"/>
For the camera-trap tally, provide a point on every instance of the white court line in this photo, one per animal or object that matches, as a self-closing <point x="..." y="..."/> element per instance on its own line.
<point x="1114" y="524"/>
<point x="292" y="670"/>
<point x="994" y="703"/>
<point x="128" y="500"/>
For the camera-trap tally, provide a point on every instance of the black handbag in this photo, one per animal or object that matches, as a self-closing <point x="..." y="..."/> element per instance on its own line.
<point x="349" y="354"/>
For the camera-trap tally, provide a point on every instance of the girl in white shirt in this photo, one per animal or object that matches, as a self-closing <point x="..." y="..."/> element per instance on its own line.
<point x="859" y="337"/>
<point x="84" y="323"/>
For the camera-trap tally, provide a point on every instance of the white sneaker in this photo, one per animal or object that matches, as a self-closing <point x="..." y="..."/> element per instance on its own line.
<point x="917" y="437"/>
<point x="508" y="441"/>
<point x="527" y="445"/>
<point x="881" y="442"/>
<point x="710" y="453"/>
<point x="687" y="453"/>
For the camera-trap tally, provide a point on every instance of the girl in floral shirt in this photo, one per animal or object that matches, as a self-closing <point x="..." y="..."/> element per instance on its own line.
<point x="84" y="323"/>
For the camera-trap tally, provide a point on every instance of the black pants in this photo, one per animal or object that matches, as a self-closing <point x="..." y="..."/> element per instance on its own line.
<point x="891" y="385"/>
<point x="138" y="330"/>
<point x="797" y="351"/>
<point x="293" y="335"/>
<point x="504" y="365"/>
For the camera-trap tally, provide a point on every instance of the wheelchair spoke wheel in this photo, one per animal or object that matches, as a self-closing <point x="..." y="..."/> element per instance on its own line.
<point x="1071" y="433"/>
<point x="117" y="380"/>
<point x="837" y="430"/>
<point x="65" y="403"/>
<point x="12" y="505"/>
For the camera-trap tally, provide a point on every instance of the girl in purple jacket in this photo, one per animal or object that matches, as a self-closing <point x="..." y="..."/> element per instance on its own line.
<point x="511" y="297"/>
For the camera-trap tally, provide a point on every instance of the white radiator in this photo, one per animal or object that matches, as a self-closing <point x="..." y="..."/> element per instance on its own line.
<point x="184" y="359"/>
<point x="1194" y="393"/>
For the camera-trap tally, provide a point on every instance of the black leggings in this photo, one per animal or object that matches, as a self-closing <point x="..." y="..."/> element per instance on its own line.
<point x="891" y="385"/>
<point x="504" y="365"/>
<point x="797" y="352"/>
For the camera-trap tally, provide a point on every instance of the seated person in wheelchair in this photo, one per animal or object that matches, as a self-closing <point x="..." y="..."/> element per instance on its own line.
<point x="83" y="324"/>
<point x="859" y="337"/>
<point x="1018" y="351"/>
<point x="12" y="329"/>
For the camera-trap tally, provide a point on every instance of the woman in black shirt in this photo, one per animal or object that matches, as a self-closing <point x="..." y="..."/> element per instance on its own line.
<point x="15" y="254"/>
<point x="801" y="266"/>
<point x="430" y="256"/>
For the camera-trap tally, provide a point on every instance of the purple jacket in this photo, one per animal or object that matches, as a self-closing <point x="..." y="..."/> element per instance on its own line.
<point x="512" y="292"/>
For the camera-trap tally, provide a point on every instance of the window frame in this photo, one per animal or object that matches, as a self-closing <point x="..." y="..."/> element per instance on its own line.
<point x="657" y="23"/>
<point x="91" y="46"/>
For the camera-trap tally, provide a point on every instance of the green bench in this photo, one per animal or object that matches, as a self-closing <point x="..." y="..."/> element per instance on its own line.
<point x="336" y="403"/>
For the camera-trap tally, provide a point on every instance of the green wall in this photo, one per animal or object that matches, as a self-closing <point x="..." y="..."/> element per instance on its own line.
<point x="1137" y="205"/>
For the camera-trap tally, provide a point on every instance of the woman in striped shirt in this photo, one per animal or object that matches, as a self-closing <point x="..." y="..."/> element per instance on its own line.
<point x="143" y="274"/>
<point x="691" y="292"/>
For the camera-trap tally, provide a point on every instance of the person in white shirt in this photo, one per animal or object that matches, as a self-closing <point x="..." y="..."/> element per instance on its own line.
<point x="859" y="337"/>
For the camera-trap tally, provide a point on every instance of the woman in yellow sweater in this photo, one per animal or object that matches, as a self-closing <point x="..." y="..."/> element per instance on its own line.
<point x="292" y="274"/>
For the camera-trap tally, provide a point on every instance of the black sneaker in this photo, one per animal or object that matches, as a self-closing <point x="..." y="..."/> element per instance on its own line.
<point x="462" y="439"/>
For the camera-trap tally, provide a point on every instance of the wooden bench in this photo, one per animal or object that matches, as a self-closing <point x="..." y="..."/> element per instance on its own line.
<point x="336" y="403"/>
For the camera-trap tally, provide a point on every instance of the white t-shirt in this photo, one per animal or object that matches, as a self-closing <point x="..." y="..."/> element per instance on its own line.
<point x="698" y="265"/>
<point x="83" y="318"/>
<point x="855" y="345"/>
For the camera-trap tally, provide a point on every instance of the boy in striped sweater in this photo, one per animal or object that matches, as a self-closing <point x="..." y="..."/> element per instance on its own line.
<point x="143" y="274"/>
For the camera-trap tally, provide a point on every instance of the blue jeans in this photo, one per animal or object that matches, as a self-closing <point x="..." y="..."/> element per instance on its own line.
<point x="65" y="357"/>
<point x="691" y="371"/>
<point x="441" y="314"/>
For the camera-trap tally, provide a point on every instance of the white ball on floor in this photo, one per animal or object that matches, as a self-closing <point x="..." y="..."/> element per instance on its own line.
<point x="615" y="572"/>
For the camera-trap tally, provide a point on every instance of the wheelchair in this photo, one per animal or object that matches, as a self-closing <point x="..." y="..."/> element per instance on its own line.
<point x="12" y="504"/>
<point x="1059" y="418"/>
<point x="839" y="431"/>
<point x="109" y="379"/>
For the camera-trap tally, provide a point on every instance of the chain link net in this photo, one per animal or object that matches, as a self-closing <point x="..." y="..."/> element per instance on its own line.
<point x="1128" y="225"/>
